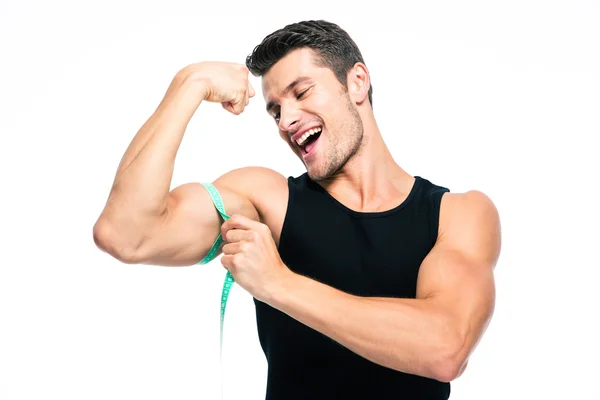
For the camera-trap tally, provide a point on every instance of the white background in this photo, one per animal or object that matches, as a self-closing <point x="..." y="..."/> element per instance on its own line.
<point x="502" y="97"/>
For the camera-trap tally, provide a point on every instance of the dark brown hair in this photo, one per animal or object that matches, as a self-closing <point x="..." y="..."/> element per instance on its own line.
<point x="334" y="47"/>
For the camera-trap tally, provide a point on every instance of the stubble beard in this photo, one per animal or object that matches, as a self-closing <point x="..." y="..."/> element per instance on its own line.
<point x="344" y="144"/>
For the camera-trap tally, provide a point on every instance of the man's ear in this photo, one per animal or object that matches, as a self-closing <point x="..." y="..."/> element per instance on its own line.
<point x="359" y="83"/>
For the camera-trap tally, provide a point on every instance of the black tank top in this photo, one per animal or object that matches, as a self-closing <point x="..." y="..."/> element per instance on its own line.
<point x="374" y="254"/>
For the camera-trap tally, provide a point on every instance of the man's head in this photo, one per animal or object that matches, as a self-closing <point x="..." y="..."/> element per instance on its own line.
<point x="314" y="76"/>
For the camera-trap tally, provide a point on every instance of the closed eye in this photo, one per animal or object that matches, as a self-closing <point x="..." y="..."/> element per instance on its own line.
<point x="299" y="96"/>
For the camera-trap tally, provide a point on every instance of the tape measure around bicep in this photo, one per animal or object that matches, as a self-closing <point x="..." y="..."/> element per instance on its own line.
<point x="229" y="281"/>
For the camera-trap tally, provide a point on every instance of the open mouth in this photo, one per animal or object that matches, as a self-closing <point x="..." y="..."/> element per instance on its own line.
<point x="308" y="142"/>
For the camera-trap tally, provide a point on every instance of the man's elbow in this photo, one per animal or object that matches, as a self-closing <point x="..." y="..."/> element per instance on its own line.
<point x="451" y="364"/>
<point x="105" y="240"/>
<point x="449" y="370"/>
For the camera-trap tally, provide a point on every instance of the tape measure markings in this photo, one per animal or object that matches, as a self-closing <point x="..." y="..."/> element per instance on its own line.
<point x="229" y="281"/>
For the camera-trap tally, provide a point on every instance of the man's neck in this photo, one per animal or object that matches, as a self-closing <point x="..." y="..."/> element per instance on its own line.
<point x="371" y="179"/>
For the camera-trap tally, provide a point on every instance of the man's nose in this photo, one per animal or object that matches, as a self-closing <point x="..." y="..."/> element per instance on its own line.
<point x="289" y="118"/>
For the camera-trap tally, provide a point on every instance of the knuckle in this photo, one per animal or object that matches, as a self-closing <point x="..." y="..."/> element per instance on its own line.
<point x="265" y="229"/>
<point x="240" y="95"/>
<point x="253" y="236"/>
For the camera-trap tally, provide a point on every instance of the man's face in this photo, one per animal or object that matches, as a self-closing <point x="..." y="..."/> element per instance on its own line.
<point x="313" y="112"/>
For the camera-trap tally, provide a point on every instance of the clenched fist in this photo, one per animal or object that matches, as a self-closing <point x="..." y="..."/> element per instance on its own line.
<point x="219" y="82"/>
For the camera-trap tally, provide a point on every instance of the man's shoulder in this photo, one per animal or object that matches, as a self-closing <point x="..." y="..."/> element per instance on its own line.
<point x="457" y="203"/>
<point x="264" y="188"/>
<point x="468" y="202"/>
<point x="468" y="213"/>
<point x="252" y="177"/>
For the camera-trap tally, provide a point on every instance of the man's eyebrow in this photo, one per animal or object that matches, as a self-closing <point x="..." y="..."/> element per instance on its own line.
<point x="289" y="87"/>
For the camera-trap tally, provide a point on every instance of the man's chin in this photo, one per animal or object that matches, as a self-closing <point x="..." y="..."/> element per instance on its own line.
<point x="313" y="175"/>
<point x="316" y="175"/>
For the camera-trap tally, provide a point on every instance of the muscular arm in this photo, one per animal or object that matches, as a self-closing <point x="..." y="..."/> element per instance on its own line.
<point x="143" y="221"/>
<point x="434" y="334"/>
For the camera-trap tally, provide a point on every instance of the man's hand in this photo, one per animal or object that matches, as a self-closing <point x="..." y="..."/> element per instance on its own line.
<point x="218" y="82"/>
<point x="252" y="257"/>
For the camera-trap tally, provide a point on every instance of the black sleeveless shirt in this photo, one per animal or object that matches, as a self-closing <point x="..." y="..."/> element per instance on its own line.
<point x="372" y="254"/>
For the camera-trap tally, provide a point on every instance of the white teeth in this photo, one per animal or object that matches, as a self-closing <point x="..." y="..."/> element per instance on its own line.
<point x="302" y="139"/>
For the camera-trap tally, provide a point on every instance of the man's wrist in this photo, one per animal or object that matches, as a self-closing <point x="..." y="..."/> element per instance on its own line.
<point x="282" y="289"/>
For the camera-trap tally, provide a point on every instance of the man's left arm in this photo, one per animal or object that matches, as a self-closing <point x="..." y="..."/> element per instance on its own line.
<point x="434" y="334"/>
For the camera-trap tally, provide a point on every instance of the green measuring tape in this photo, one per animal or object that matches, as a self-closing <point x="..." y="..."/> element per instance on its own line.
<point x="229" y="281"/>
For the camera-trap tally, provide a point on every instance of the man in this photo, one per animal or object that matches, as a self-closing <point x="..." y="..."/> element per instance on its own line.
<point x="369" y="283"/>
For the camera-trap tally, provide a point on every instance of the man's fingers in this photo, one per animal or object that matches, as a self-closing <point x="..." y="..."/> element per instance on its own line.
<point x="228" y="106"/>
<point x="235" y="235"/>
<point x="238" y="221"/>
<point x="249" y="93"/>
<point x="239" y="102"/>
<point x="238" y="106"/>
<point x="227" y="261"/>
<point x="232" y="248"/>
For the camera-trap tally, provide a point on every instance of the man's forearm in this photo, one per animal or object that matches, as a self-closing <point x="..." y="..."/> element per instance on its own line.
<point x="142" y="183"/>
<point x="408" y="335"/>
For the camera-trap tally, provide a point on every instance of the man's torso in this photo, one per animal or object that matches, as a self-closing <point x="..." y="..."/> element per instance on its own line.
<point x="357" y="252"/>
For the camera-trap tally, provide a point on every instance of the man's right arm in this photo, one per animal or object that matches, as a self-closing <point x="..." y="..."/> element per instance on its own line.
<point x="144" y="222"/>
<point x="190" y="224"/>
